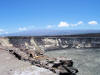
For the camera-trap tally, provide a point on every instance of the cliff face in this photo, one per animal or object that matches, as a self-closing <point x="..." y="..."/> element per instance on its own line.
<point x="30" y="49"/>
<point x="50" y="43"/>
<point x="5" y="42"/>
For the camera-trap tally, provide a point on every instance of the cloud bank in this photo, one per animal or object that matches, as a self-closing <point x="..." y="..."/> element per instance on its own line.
<point x="2" y="31"/>
<point x="22" y="29"/>
<point x="63" y="24"/>
<point x="66" y="24"/>
<point x="92" y="22"/>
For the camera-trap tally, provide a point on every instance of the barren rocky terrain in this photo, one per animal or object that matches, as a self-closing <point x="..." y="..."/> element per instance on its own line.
<point x="25" y="56"/>
<point x="9" y="65"/>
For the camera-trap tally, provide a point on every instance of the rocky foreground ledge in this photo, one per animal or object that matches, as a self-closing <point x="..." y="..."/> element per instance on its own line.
<point x="35" y="56"/>
<point x="60" y="65"/>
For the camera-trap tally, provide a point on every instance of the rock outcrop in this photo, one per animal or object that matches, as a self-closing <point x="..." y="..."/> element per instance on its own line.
<point x="51" y="43"/>
<point x="32" y="50"/>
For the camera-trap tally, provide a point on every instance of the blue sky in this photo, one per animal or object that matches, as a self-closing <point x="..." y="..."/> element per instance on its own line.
<point x="21" y="15"/>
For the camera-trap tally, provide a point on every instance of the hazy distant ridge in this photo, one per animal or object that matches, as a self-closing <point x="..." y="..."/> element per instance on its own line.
<point x="56" y="33"/>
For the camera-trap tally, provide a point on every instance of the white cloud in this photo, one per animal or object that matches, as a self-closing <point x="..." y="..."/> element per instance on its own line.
<point x="63" y="24"/>
<point x="92" y="22"/>
<point x="22" y="29"/>
<point x="78" y="23"/>
<point x="2" y="31"/>
<point x="6" y="32"/>
<point x="49" y="26"/>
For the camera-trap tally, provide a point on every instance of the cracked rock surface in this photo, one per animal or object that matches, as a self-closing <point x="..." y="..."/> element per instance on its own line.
<point x="9" y="65"/>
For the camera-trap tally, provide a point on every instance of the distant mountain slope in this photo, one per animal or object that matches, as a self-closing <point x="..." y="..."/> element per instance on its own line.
<point x="85" y="35"/>
<point x="56" y="33"/>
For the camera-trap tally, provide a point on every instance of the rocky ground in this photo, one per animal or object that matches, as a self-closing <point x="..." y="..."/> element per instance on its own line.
<point x="20" y="55"/>
<point x="9" y="65"/>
